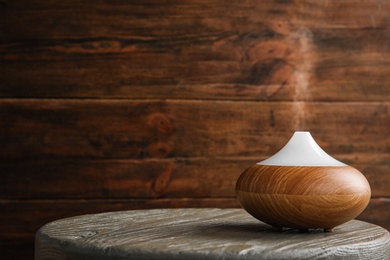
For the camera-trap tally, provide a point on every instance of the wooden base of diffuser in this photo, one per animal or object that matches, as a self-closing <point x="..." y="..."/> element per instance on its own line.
<point x="303" y="197"/>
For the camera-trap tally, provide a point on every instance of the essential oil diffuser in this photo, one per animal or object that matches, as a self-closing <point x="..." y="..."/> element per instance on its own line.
<point x="303" y="187"/>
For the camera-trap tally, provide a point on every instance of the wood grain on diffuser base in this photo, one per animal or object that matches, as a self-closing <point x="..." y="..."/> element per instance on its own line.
<point x="303" y="196"/>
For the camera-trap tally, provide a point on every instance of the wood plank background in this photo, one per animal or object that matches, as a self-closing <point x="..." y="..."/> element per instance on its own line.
<point x="116" y="105"/>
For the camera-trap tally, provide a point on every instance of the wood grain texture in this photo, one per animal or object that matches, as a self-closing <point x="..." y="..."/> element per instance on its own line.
<point x="124" y="129"/>
<point x="20" y="219"/>
<point x="303" y="180"/>
<point x="31" y="215"/>
<point x="69" y="141"/>
<point x="167" y="178"/>
<point x="303" y="197"/>
<point x="205" y="49"/>
<point x="201" y="234"/>
<point x="148" y="101"/>
<point x="18" y="240"/>
<point x="154" y="178"/>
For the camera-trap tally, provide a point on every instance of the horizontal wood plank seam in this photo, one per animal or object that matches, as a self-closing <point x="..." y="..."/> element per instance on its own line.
<point x="200" y="100"/>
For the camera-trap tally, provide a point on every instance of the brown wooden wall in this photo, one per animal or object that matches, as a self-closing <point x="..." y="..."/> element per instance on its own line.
<point x="128" y="104"/>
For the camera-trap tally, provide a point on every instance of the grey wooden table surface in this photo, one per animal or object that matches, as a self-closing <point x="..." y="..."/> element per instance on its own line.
<point x="202" y="234"/>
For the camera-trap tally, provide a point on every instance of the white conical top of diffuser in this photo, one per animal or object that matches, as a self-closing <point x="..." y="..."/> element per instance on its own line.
<point x="301" y="150"/>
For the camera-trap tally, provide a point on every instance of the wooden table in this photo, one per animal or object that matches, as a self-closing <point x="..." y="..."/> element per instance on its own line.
<point x="202" y="234"/>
